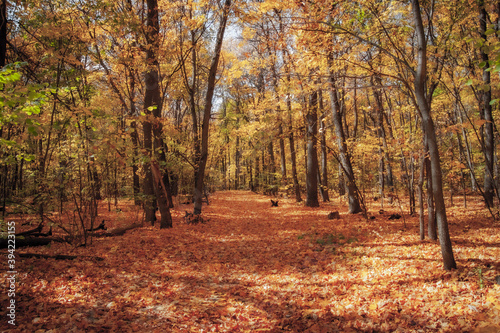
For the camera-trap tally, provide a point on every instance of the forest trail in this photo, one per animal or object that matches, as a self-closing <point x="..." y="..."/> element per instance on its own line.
<point x="257" y="268"/>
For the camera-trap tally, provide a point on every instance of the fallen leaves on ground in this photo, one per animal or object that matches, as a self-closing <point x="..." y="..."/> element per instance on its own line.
<point x="253" y="268"/>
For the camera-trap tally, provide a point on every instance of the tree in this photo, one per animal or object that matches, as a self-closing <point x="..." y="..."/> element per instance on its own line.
<point x="153" y="184"/>
<point x="312" y="154"/>
<point x="420" y="79"/>
<point x="488" y="137"/>
<point x="201" y="159"/>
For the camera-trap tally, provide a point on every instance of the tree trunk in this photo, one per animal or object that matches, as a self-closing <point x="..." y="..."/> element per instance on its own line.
<point x="237" y="163"/>
<point x="207" y="112"/>
<point x="282" y="154"/>
<point x="154" y="186"/>
<point x="344" y="156"/>
<point x="486" y="114"/>
<point x="293" y="154"/>
<point x="257" y="174"/>
<point x="431" y="215"/>
<point x="341" y="182"/>
<point x="425" y="110"/>
<point x="421" y="218"/>
<point x="324" y="160"/>
<point x="312" y="155"/>
<point x="134" y="135"/>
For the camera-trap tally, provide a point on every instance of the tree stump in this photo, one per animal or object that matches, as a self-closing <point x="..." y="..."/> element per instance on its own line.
<point x="334" y="215"/>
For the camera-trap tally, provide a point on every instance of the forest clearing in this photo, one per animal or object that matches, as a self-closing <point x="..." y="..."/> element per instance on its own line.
<point x="255" y="268"/>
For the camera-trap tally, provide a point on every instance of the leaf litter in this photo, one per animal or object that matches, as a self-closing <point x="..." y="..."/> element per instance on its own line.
<point x="257" y="268"/>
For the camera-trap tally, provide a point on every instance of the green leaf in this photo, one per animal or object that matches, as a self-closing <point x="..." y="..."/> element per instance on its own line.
<point x="32" y="130"/>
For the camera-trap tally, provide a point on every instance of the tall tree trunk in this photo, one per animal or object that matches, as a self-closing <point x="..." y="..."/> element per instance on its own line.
<point x="257" y="174"/>
<point x="468" y="152"/>
<point x="324" y="160"/>
<point x="344" y="156"/>
<point x="134" y="135"/>
<point x="293" y="154"/>
<point x="207" y="112"/>
<point x="486" y="114"/>
<point x="271" y="165"/>
<point x="425" y="110"/>
<point x="152" y="102"/>
<point x="312" y="155"/>
<point x="237" y="163"/>
<point x="282" y="154"/>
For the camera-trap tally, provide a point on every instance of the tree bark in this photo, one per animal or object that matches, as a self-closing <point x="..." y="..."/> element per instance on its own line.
<point x="134" y="136"/>
<point x="487" y="133"/>
<point x="154" y="186"/>
<point x="312" y="155"/>
<point x="425" y="110"/>
<point x="293" y="154"/>
<point x="324" y="160"/>
<point x="421" y="218"/>
<point x="344" y="156"/>
<point x="431" y="214"/>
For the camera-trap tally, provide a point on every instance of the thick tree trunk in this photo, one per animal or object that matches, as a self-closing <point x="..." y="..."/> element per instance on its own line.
<point x="437" y="183"/>
<point x="312" y="155"/>
<point x="486" y="114"/>
<point x="162" y="197"/>
<point x="341" y="183"/>
<point x="207" y="112"/>
<point x="154" y="186"/>
<point x="148" y="189"/>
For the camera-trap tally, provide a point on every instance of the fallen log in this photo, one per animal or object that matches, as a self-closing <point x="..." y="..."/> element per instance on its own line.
<point x="30" y="241"/>
<point x="121" y="230"/>
<point x="99" y="227"/>
<point x="36" y="230"/>
<point x="57" y="256"/>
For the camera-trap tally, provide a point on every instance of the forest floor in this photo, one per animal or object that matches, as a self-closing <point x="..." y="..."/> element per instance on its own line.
<point x="253" y="268"/>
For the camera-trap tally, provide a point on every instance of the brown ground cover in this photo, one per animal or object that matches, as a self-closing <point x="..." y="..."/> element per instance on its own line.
<point x="253" y="268"/>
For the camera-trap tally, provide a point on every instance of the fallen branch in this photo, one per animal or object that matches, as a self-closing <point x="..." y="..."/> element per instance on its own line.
<point x="57" y="256"/>
<point x="121" y="230"/>
<point x="36" y="230"/>
<point x="31" y="241"/>
<point x="101" y="226"/>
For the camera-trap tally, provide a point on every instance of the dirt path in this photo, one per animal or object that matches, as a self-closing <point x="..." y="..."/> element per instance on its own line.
<point x="255" y="268"/>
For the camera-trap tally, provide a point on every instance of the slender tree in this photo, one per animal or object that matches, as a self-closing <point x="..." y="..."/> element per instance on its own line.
<point x="430" y="133"/>
<point x="202" y="158"/>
